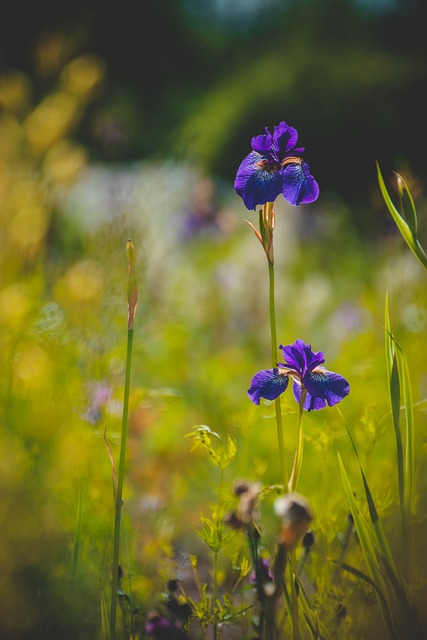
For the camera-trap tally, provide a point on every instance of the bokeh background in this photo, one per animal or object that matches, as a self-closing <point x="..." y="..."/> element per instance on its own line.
<point x="129" y="120"/>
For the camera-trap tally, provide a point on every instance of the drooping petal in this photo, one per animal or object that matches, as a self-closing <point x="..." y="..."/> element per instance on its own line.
<point x="263" y="144"/>
<point x="255" y="183"/>
<point x="299" y="186"/>
<point x="268" y="384"/>
<point x="311" y="403"/>
<point x="325" y="384"/>
<point x="284" y="138"/>
<point x="300" y="356"/>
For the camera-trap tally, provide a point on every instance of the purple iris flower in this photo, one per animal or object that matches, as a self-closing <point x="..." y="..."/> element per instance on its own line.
<point x="273" y="167"/>
<point x="305" y="368"/>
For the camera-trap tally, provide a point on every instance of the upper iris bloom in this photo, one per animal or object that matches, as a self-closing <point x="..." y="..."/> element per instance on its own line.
<point x="275" y="166"/>
<point x="305" y="368"/>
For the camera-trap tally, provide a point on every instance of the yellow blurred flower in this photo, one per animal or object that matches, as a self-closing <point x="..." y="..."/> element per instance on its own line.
<point x="51" y="120"/>
<point x="15" y="305"/>
<point x="33" y="367"/>
<point x="83" y="76"/>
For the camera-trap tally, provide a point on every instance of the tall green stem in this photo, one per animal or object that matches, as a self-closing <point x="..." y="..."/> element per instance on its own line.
<point x="300" y="446"/>
<point x="132" y="299"/>
<point x="274" y="364"/>
<point x="215" y="589"/>
<point x="119" y="492"/>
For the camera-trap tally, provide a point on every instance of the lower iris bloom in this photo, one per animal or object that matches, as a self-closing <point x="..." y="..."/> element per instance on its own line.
<point x="275" y="167"/>
<point x="304" y="366"/>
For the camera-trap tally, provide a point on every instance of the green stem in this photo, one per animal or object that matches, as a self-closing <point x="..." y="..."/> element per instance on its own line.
<point x="215" y="586"/>
<point x="274" y="364"/>
<point x="215" y="595"/>
<point x="294" y="597"/>
<point x="118" y="504"/>
<point x="300" y="446"/>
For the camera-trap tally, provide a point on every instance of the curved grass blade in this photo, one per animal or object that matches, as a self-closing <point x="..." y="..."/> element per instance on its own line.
<point x="362" y="576"/>
<point x="408" y="612"/>
<point x="365" y="539"/>
<point x="406" y="197"/>
<point x="400" y="391"/>
<point x="404" y="228"/>
<point x="317" y="629"/>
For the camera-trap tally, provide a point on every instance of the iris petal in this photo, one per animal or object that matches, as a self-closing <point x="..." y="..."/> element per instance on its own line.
<point x="255" y="184"/>
<point x="285" y="138"/>
<point x="263" y="144"/>
<point x="311" y="403"/>
<point x="268" y="384"/>
<point x="299" y="186"/>
<point x="301" y="356"/>
<point x="325" y="384"/>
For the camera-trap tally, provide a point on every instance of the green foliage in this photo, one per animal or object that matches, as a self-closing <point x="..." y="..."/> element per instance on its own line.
<point x="406" y="219"/>
<point x="202" y="334"/>
<point x="223" y="454"/>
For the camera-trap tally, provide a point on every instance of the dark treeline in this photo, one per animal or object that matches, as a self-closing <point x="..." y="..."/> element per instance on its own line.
<point x="185" y="82"/>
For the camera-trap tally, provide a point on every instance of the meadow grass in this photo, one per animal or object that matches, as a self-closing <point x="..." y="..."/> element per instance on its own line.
<point x="203" y="328"/>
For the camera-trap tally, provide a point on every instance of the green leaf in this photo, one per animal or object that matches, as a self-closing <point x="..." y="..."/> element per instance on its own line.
<point x="409" y="212"/>
<point x="365" y="539"/>
<point x="408" y="233"/>
<point x="394" y="392"/>
<point x="105" y="623"/>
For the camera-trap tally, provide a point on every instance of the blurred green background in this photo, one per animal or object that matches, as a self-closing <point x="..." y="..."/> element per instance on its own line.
<point x="130" y="120"/>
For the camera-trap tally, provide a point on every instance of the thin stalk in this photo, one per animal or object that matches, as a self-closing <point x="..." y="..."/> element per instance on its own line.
<point x="215" y="585"/>
<point x="294" y="596"/>
<point x="300" y="446"/>
<point x="119" y="494"/>
<point x="274" y="364"/>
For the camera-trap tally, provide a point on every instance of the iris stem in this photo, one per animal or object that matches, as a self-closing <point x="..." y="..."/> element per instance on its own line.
<point x="300" y="445"/>
<point x="274" y="364"/>
<point x="118" y="504"/>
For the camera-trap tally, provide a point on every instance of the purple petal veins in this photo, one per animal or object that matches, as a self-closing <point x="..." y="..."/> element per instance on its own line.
<point x="268" y="384"/>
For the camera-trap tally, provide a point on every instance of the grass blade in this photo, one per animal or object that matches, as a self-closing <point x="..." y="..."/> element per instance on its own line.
<point x="105" y="623"/>
<point x="404" y="228"/>
<point x="365" y="539"/>
<point x="409" y="451"/>
<point x="394" y="392"/>
<point x="407" y="610"/>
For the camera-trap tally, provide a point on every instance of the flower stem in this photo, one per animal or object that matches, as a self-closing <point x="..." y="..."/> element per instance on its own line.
<point x="300" y="446"/>
<point x="215" y="586"/>
<point x="274" y="364"/>
<point x="119" y="493"/>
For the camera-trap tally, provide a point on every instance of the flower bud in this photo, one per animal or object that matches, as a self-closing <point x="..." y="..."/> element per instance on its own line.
<point x="296" y="516"/>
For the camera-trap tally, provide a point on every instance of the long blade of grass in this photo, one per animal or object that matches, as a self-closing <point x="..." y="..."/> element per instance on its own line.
<point x="409" y="464"/>
<point x="365" y="539"/>
<point x="404" y="228"/>
<point x="380" y="537"/>
<point x="409" y="451"/>
<point x="394" y="393"/>
<point x="105" y="623"/>
<point x="406" y="609"/>
<point x="317" y="629"/>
